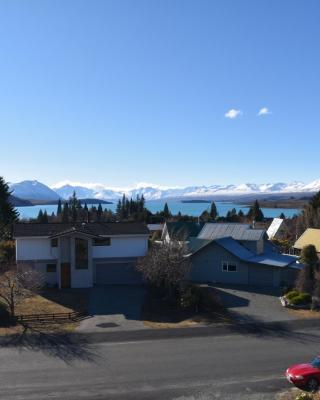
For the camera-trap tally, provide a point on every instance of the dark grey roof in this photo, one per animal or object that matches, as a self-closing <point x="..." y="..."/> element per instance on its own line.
<point x="182" y="230"/>
<point x="270" y="258"/>
<point x="235" y="248"/>
<point x="92" y="228"/>
<point x="236" y="231"/>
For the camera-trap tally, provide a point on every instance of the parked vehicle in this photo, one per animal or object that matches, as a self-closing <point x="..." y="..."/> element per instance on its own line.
<point x="305" y="376"/>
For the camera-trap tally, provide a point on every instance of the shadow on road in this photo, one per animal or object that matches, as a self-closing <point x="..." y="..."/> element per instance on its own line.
<point x="287" y="329"/>
<point x="65" y="346"/>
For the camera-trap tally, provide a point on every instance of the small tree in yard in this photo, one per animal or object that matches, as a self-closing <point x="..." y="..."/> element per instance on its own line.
<point x="165" y="265"/>
<point x="17" y="284"/>
<point x="306" y="277"/>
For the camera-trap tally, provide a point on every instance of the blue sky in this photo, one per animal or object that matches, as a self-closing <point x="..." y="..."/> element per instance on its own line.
<point x="120" y="92"/>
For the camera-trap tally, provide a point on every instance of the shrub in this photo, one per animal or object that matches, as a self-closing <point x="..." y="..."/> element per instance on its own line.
<point x="292" y="294"/>
<point x="190" y="297"/>
<point x="304" y="396"/>
<point x="302" y="298"/>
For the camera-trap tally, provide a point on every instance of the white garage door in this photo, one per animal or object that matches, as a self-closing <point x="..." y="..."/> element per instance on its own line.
<point x="117" y="274"/>
<point x="260" y="276"/>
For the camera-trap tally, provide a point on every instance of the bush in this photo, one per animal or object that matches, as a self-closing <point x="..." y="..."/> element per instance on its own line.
<point x="304" y="396"/>
<point x="302" y="298"/>
<point x="292" y="294"/>
<point x="190" y="297"/>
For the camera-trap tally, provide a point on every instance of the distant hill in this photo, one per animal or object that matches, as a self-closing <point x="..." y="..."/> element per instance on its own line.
<point x="33" y="191"/>
<point x="15" y="201"/>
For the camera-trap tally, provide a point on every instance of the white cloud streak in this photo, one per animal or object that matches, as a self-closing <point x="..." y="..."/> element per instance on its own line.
<point x="263" y="111"/>
<point x="233" y="113"/>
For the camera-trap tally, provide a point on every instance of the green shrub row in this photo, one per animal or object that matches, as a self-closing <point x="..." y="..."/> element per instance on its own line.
<point x="302" y="298"/>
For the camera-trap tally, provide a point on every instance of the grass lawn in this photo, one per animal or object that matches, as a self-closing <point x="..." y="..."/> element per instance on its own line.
<point x="293" y="394"/>
<point x="50" y="301"/>
<point x="159" y="313"/>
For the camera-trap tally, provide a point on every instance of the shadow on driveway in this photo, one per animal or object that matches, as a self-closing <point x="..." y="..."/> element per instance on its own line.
<point x="114" y="307"/>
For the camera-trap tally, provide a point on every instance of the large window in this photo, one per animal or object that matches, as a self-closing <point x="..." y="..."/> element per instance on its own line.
<point x="102" y="242"/>
<point x="228" y="266"/>
<point x="81" y="250"/>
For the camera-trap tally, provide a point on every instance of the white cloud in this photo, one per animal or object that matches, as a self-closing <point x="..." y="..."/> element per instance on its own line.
<point x="233" y="113"/>
<point x="264" y="111"/>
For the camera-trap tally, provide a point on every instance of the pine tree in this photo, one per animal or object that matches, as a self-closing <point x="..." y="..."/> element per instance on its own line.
<point x="74" y="205"/>
<point x="59" y="209"/>
<point x="255" y="213"/>
<point x="99" y="212"/>
<point x="166" y="211"/>
<point x="40" y="216"/>
<point x="45" y="217"/>
<point x="213" y="211"/>
<point x="282" y="216"/>
<point x="8" y="214"/>
<point x="65" y="212"/>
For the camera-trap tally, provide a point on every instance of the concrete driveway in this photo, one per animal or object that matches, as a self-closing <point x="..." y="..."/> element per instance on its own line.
<point x="253" y="304"/>
<point x="114" y="307"/>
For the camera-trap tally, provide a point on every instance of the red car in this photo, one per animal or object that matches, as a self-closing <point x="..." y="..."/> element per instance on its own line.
<point x="305" y="376"/>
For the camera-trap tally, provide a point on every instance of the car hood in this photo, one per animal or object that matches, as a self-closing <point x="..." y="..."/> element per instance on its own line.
<point x="302" y="369"/>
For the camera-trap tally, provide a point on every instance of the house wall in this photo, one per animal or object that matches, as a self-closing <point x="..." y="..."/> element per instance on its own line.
<point x="128" y="246"/>
<point x="256" y="246"/>
<point x="35" y="249"/>
<point x="51" y="278"/>
<point x="207" y="266"/>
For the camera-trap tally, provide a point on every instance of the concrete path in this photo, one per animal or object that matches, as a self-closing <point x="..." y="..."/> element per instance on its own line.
<point x="253" y="304"/>
<point x="114" y="307"/>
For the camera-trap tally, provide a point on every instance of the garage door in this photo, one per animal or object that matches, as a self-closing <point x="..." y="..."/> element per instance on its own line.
<point x="260" y="276"/>
<point x="117" y="274"/>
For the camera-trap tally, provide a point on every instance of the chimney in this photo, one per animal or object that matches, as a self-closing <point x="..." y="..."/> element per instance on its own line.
<point x="253" y="224"/>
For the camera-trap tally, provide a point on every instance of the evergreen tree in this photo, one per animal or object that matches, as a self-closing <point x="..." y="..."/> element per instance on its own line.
<point x="255" y="213"/>
<point x="166" y="211"/>
<point x="282" y="216"/>
<point x="45" y="217"/>
<point x="213" y="211"/>
<point x="8" y="214"/>
<point x="74" y="205"/>
<point x="99" y="212"/>
<point x="65" y="212"/>
<point x="118" y="209"/>
<point x="306" y="278"/>
<point x="59" y="209"/>
<point x="40" y="216"/>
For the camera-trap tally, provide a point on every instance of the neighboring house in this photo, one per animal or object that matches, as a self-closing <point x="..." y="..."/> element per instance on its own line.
<point x="277" y="229"/>
<point x="309" y="236"/>
<point x="237" y="254"/>
<point x="180" y="230"/>
<point x="80" y="255"/>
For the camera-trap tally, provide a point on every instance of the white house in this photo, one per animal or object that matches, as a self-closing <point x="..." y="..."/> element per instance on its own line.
<point x="80" y="255"/>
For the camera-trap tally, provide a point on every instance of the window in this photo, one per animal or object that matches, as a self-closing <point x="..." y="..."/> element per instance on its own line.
<point x="51" y="267"/>
<point x="81" y="252"/>
<point x="102" y="242"/>
<point x="54" y="242"/>
<point x="229" y="266"/>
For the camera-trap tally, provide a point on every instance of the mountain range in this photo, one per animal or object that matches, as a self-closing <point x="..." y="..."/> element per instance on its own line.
<point x="35" y="191"/>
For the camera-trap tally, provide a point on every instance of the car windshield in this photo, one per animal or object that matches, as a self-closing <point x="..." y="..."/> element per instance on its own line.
<point x="316" y="362"/>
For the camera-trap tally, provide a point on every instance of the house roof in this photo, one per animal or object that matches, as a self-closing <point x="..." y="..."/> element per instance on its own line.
<point x="91" y="228"/>
<point x="182" y="230"/>
<point x="310" y="236"/>
<point x="274" y="227"/>
<point x="236" y="231"/>
<point x="238" y="250"/>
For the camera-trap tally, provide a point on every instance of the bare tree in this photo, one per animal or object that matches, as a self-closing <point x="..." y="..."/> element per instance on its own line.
<point x="19" y="283"/>
<point x="166" y="264"/>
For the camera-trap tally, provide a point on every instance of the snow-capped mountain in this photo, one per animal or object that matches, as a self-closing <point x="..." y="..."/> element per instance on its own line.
<point x="34" y="190"/>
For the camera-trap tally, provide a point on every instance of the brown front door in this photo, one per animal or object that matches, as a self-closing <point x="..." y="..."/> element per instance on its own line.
<point x="65" y="275"/>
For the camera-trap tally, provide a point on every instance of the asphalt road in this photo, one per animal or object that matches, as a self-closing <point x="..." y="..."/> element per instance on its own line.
<point x="235" y="366"/>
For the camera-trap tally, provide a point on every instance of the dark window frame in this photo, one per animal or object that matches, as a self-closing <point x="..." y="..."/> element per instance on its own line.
<point x="227" y="264"/>
<point x="106" y="241"/>
<point x="54" y="242"/>
<point x="51" y="268"/>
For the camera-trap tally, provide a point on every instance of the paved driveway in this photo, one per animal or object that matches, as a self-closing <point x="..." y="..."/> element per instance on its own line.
<point x="254" y="304"/>
<point x="114" y="307"/>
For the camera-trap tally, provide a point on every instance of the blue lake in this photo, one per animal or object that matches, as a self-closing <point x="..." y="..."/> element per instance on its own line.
<point x="194" y="209"/>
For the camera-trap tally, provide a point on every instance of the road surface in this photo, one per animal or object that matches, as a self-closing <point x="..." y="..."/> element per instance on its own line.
<point x="235" y="366"/>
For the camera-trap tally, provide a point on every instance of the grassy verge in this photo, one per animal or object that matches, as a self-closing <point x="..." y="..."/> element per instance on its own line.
<point x="296" y="394"/>
<point x="158" y="313"/>
<point x="49" y="301"/>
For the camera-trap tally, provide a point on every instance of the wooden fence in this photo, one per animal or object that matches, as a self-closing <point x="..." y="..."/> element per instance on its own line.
<point x="51" y="317"/>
